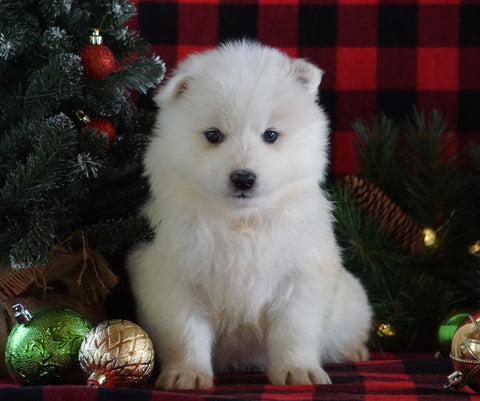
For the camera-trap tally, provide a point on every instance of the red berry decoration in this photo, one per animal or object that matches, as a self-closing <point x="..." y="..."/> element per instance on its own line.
<point x="97" y="59"/>
<point x="103" y="127"/>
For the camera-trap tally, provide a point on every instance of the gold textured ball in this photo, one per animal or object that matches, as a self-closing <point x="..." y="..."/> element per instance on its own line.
<point x="116" y="353"/>
<point x="465" y="354"/>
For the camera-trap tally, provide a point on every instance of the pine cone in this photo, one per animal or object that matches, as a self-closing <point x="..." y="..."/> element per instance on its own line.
<point x="382" y="209"/>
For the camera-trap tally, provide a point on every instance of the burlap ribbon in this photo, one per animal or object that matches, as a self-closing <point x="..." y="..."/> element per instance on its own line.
<point x="75" y="276"/>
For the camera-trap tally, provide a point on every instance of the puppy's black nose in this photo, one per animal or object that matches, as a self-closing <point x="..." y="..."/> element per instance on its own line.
<point x="243" y="179"/>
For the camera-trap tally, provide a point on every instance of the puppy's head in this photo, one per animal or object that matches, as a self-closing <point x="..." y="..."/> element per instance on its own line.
<point x="238" y="128"/>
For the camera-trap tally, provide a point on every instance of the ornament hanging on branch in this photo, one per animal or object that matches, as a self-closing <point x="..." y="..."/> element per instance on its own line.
<point x="42" y="348"/>
<point x="465" y="355"/>
<point x="474" y="249"/>
<point x="101" y="126"/>
<point x="411" y="236"/>
<point x="97" y="59"/>
<point x="116" y="353"/>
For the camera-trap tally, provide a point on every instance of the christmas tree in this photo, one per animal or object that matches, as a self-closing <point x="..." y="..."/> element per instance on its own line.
<point x="71" y="132"/>
<point x="408" y="224"/>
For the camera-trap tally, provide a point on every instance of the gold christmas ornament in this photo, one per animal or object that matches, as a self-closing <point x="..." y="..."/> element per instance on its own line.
<point x="474" y="250"/>
<point x="465" y="355"/>
<point x="116" y="353"/>
<point x="385" y="330"/>
<point x="429" y="237"/>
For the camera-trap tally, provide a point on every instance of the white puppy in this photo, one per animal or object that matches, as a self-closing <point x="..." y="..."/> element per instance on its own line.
<point x="244" y="271"/>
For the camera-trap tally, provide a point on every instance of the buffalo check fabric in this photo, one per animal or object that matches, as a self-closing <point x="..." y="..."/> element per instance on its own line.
<point x="410" y="377"/>
<point x="379" y="56"/>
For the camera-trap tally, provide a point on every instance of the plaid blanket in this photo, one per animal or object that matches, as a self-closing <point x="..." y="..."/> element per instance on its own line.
<point x="378" y="55"/>
<point x="409" y="377"/>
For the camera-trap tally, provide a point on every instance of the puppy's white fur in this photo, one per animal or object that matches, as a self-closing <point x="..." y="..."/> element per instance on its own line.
<point x="252" y="279"/>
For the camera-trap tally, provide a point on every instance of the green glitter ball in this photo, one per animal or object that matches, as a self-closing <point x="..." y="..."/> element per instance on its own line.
<point x="43" y="348"/>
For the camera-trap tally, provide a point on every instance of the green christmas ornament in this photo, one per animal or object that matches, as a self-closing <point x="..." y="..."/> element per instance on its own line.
<point x="447" y="330"/>
<point x="43" y="348"/>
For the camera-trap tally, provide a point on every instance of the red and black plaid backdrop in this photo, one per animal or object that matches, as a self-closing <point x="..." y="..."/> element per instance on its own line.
<point x="378" y="55"/>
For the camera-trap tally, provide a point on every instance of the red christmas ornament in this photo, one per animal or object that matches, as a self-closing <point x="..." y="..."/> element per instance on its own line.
<point x="97" y="59"/>
<point x="103" y="127"/>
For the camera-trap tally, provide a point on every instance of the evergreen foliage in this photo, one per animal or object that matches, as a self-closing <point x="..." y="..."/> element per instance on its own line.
<point x="55" y="180"/>
<point x="417" y="166"/>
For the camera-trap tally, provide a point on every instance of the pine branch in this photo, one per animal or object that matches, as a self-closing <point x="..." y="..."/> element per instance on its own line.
<point x="377" y="153"/>
<point x="430" y="161"/>
<point x="43" y="169"/>
<point x="142" y="74"/>
<point x="57" y="81"/>
<point x="18" y="34"/>
<point x="110" y="236"/>
<point x="35" y="241"/>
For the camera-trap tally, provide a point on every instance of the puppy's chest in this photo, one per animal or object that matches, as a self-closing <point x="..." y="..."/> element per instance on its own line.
<point x="231" y="307"/>
<point x="243" y="267"/>
<point x="243" y="275"/>
<point x="241" y="251"/>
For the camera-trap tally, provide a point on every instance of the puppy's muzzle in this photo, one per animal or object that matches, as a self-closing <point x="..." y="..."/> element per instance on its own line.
<point x="243" y="180"/>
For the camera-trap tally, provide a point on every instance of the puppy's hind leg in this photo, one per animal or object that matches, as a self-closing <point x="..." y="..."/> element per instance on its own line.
<point x="350" y="323"/>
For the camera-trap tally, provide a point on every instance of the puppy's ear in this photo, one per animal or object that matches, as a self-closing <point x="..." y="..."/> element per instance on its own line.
<point x="173" y="89"/>
<point x="307" y="74"/>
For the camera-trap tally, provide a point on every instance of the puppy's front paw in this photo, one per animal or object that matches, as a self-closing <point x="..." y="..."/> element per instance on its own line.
<point x="298" y="375"/>
<point x="360" y="353"/>
<point x="184" y="379"/>
<point x="354" y="353"/>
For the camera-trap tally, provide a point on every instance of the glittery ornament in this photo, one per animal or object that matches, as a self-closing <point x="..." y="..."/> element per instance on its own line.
<point x="42" y="348"/>
<point x="99" y="125"/>
<point x="385" y="330"/>
<point x="465" y="354"/>
<point x="103" y="127"/>
<point x="116" y="353"/>
<point x="97" y="59"/>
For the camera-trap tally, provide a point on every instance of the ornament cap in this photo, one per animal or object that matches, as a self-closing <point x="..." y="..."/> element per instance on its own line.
<point x="455" y="380"/>
<point x="82" y="117"/>
<point x="22" y="314"/>
<point x="95" y="38"/>
<point x="97" y="379"/>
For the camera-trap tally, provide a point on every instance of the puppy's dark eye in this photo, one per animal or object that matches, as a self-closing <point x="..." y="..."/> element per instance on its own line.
<point x="270" y="135"/>
<point x="213" y="135"/>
